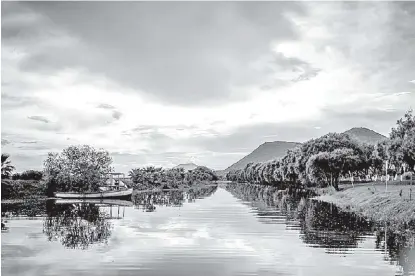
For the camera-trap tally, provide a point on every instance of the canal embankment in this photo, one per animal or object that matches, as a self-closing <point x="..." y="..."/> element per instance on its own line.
<point x="394" y="203"/>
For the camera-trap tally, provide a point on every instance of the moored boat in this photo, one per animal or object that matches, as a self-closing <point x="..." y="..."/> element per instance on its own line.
<point x="114" y="188"/>
<point x="105" y="194"/>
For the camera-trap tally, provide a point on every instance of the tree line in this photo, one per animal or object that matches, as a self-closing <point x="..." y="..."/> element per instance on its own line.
<point x="325" y="160"/>
<point x="82" y="168"/>
<point x="150" y="177"/>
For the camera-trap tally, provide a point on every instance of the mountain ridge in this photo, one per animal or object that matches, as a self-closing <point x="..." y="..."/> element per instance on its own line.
<point x="365" y="135"/>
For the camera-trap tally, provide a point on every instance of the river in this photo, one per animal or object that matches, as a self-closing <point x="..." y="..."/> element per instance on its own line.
<point x="228" y="230"/>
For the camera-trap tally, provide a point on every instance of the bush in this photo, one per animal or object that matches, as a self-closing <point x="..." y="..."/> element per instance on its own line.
<point x="31" y="175"/>
<point x="20" y="189"/>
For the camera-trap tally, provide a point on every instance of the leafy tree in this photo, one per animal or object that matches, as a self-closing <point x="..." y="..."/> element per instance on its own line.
<point x="327" y="167"/>
<point x="402" y="140"/>
<point x="408" y="148"/>
<point x="291" y="165"/>
<point x="327" y="143"/>
<point x="6" y="167"/>
<point x="77" y="169"/>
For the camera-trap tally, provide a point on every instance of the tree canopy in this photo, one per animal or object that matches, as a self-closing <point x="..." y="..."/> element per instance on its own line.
<point x="6" y="167"/>
<point x="77" y="168"/>
<point x="150" y="177"/>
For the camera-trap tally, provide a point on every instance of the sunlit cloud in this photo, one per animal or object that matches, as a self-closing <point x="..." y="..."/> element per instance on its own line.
<point x="65" y="81"/>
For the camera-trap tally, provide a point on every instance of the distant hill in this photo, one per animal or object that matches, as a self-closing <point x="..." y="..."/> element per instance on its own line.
<point x="266" y="151"/>
<point x="365" y="135"/>
<point x="187" y="166"/>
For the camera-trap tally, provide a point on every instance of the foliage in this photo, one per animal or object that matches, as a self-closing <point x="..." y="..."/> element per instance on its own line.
<point x="28" y="175"/>
<point x="77" y="169"/>
<point x="327" y="167"/>
<point x="327" y="143"/>
<point x="22" y="189"/>
<point x="402" y="141"/>
<point x="152" y="177"/>
<point x="6" y="167"/>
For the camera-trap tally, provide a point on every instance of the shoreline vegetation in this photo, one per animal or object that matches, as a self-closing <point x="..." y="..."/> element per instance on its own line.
<point x="82" y="169"/>
<point x="345" y="171"/>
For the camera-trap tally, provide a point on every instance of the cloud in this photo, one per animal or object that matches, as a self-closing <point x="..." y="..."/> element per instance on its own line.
<point x="205" y="81"/>
<point x="116" y="114"/>
<point x="160" y="50"/>
<point x="39" y="118"/>
<point x="106" y="106"/>
<point x="28" y="142"/>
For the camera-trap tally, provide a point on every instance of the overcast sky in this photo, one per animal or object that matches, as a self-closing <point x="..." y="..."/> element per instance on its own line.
<point x="164" y="83"/>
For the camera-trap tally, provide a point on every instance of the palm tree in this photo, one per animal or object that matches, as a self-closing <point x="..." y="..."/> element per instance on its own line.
<point x="6" y="167"/>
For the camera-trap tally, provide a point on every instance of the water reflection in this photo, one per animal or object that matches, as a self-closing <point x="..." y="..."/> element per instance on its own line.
<point x="246" y="230"/>
<point x="324" y="225"/>
<point x="78" y="224"/>
<point x="174" y="198"/>
<point x="400" y="247"/>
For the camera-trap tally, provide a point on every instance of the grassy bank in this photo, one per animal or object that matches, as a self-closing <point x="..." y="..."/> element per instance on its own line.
<point x="372" y="201"/>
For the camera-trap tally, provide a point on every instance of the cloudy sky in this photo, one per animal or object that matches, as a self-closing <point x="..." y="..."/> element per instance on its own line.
<point x="164" y="83"/>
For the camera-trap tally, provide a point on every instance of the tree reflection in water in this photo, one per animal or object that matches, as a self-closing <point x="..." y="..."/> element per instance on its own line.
<point x="175" y="198"/>
<point x="400" y="246"/>
<point x="76" y="225"/>
<point x="324" y="225"/>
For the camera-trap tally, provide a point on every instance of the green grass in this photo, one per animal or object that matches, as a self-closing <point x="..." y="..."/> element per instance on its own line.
<point x="371" y="200"/>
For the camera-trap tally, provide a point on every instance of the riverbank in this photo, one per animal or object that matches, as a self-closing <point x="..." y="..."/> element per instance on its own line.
<point x="372" y="201"/>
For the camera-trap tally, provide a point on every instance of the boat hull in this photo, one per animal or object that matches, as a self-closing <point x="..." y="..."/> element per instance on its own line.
<point x="122" y="194"/>
<point x="116" y="202"/>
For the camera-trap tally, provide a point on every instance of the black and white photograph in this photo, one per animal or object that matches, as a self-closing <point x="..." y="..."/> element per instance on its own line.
<point x="208" y="138"/>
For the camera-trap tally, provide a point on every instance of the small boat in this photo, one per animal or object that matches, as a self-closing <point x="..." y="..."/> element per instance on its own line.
<point x="114" y="188"/>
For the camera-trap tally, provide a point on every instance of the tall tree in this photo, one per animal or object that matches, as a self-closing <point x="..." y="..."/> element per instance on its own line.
<point x="402" y="139"/>
<point x="326" y="143"/>
<point x="6" y="167"/>
<point x="77" y="168"/>
<point x="327" y="167"/>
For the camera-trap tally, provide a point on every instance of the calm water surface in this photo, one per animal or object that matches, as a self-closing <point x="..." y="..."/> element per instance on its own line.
<point x="230" y="230"/>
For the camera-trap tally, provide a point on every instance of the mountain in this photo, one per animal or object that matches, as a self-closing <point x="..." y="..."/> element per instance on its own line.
<point x="266" y="151"/>
<point x="187" y="166"/>
<point x="365" y="135"/>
